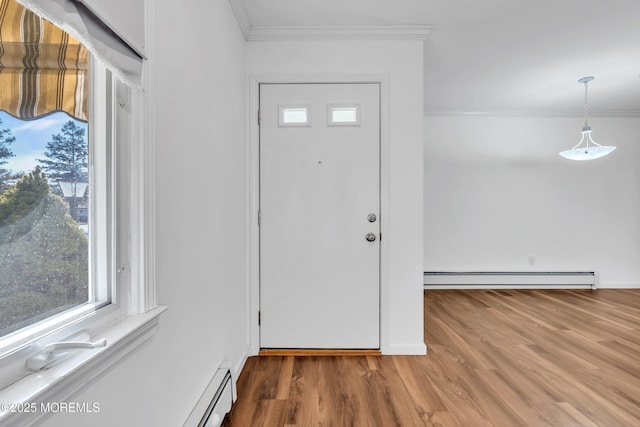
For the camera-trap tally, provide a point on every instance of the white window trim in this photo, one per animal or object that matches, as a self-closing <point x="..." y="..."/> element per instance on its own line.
<point x="134" y="318"/>
<point x="60" y="382"/>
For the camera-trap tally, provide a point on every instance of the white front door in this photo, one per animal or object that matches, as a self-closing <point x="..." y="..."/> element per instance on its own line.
<point x="319" y="202"/>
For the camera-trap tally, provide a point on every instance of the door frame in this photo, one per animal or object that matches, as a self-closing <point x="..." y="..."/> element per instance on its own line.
<point x="253" y="193"/>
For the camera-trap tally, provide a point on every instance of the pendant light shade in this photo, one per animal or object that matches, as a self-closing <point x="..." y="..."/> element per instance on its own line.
<point x="587" y="148"/>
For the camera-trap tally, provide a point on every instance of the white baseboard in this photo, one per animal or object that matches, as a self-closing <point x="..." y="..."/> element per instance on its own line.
<point x="484" y="286"/>
<point x="405" y="350"/>
<point x="510" y="280"/>
<point x="619" y="286"/>
<point x="236" y="369"/>
<point x="600" y="286"/>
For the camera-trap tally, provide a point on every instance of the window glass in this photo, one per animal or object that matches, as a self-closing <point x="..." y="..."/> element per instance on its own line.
<point x="44" y="218"/>
<point x="294" y="115"/>
<point x="344" y="115"/>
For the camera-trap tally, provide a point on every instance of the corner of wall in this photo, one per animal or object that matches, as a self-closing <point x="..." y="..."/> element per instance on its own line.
<point x="241" y="16"/>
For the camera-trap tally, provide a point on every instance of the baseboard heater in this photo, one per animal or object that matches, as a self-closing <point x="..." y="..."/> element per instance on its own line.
<point x="215" y="402"/>
<point x="510" y="280"/>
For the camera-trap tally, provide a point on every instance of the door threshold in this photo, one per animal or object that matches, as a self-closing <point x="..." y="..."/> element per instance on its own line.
<point x="318" y="352"/>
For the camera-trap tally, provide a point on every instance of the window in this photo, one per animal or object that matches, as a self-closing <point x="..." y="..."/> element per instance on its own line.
<point x="55" y="194"/>
<point x="45" y="193"/>
<point x="344" y="114"/>
<point x="69" y="212"/>
<point x="294" y="115"/>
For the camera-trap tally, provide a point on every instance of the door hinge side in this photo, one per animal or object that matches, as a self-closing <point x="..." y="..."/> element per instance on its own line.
<point x="259" y="318"/>
<point x="259" y="117"/>
<point x="381" y="237"/>
<point x="259" y="218"/>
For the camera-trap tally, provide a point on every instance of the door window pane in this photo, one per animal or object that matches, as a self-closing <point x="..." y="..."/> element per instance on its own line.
<point x="344" y="115"/>
<point x="294" y="115"/>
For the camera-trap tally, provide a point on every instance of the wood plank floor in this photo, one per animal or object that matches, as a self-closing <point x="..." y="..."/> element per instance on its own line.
<point x="496" y="358"/>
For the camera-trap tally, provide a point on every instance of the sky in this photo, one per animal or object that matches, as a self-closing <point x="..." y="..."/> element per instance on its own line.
<point x="32" y="137"/>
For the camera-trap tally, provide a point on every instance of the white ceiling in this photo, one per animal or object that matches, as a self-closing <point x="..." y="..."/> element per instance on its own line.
<point x="500" y="56"/>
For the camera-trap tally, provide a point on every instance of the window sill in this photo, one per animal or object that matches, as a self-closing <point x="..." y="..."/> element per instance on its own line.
<point x="25" y="401"/>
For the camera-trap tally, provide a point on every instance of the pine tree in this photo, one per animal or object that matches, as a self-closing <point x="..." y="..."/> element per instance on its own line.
<point x="6" y="139"/>
<point x="43" y="255"/>
<point x="67" y="154"/>
<point x="22" y="198"/>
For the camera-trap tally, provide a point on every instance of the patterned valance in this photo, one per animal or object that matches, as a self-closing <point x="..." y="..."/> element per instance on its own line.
<point x="42" y="68"/>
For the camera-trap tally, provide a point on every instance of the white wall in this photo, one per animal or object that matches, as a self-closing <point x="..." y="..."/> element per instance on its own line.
<point x="201" y="224"/>
<point x="401" y="61"/>
<point x="497" y="192"/>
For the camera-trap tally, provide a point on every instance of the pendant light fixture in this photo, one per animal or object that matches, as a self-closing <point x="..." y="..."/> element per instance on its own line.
<point x="587" y="148"/>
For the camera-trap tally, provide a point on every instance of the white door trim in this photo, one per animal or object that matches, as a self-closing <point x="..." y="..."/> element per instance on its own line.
<point x="253" y="192"/>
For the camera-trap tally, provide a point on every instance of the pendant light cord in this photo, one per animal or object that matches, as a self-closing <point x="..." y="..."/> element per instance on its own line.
<point x="586" y="110"/>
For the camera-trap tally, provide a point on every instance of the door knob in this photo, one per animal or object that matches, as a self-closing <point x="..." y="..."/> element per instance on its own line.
<point x="371" y="217"/>
<point x="370" y="237"/>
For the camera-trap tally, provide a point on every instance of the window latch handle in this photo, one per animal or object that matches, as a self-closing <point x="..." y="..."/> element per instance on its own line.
<point x="53" y="351"/>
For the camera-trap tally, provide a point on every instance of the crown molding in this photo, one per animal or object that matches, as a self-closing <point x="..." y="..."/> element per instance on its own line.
<point x="270" y="33"/>
<point x="529" y="113"/>
<point x="241" y="16"/>
<point x="394" y="32"/>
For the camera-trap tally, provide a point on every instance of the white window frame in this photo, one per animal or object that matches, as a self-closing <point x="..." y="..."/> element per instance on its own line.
<point x="125" y="116"/>
<point x="102" y="284"/>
